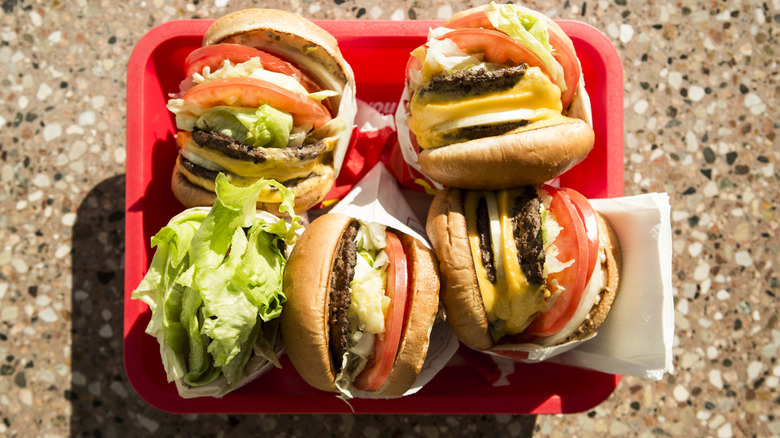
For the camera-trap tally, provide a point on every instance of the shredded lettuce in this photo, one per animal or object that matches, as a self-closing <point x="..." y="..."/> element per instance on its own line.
<point x="252" y="68"/>
<point x="214" y="281"/>
<point x="369" y="302"/>
<point x="529" y="29"/>
<point x="368" y="305"/>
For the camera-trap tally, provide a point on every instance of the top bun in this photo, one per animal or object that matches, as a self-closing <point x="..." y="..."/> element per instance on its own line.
<point x="283" y="33"/>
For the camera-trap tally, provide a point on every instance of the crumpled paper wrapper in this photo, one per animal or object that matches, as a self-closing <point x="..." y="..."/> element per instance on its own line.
<point x="255" y="367"/>
<point x="377" y="198"/>
<point x="372" y="135"/>
<point x="636" y="338"/>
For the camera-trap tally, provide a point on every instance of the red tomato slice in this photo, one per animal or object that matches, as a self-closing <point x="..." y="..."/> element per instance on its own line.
<point x="213" y="57"/>
<point x="564" y="54"/>
<point x="497" y="46"/>
<point x="572" y="245"/>
<point x="386" y="347"/>
<point x="588" y="217"/>
<point x="562" y="51"/>
<point x="413" y="64"/>
<point x="474" y="19"/>
<point x="252" y="92"/>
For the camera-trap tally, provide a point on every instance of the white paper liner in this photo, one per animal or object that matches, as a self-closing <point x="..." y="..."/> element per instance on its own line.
<point x="637" y="336"/>
<point x="377" y="198"/>
<point x="256" y="367"/>
<point x="347" y="112"/>
<point x="408" y="149"/>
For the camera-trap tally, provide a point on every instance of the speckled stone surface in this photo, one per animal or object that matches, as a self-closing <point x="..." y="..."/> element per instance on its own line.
<point x="701" y="92"/>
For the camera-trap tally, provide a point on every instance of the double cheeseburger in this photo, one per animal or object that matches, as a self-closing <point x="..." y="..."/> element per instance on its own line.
<point x="361" y="303"/>
<point x="495" y="100"/>
<point x="523" y="265"/>
<point x="269" y="95"/>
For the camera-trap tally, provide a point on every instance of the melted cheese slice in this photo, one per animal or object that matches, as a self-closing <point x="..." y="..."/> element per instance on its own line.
<point x="511" y="302"/>
<point x="217" y="161"/>
<point x="269" y="194"/>
<point x="535" y="94"/>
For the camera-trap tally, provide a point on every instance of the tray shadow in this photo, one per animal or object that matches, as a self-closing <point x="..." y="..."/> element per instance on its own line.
<point x="104" y="403"/>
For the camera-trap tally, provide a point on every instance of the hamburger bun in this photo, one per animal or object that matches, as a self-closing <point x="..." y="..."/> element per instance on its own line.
<point x="514" y="159"/>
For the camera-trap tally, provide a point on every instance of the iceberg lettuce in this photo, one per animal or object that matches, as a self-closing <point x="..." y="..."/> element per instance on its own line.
<point x="214" y="287"/>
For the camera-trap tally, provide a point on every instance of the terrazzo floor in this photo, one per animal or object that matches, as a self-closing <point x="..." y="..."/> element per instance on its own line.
<point x="700" y="96"/>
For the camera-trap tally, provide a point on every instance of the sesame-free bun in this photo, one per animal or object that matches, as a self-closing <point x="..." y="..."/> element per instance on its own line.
<point x="460" y="295"/>
<point x="292" y="37"/>
<point x="528" y="156"/>
<point x="305" y="316"/>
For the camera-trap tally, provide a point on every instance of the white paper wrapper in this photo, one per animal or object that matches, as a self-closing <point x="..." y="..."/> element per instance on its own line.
<point x="636" y="338"/>
<point x="408" y="149"/>
<point x="256" y="367"/>
<point x="347" y="111"/>
<point x="377" y="198"/>
<point x="369" y="119"/>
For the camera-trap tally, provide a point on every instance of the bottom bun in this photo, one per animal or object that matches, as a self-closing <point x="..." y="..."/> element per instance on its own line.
<point x="308" y="191"/>
<point x="519" y="158"/>
<point x="307" y="285"/>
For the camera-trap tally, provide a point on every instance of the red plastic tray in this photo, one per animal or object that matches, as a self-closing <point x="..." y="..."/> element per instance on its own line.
<point x="377" y="51"/>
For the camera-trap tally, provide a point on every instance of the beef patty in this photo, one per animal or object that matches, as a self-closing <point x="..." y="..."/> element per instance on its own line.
<point x="474" y="82"/>
<point x="527" y="231"/>
<point x="342" y="273"/>
<point x="235" y="149"/>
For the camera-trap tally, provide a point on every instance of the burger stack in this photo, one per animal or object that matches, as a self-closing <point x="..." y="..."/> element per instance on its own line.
<point x="495" y="105"/>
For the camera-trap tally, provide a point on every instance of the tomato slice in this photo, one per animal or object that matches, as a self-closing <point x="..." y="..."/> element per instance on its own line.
<point x="474" y="19"/>
<point x="562" y="51"/>
<point x="253" y="92"/>
<point x="213" y="57"/>
<point x="588" y="217"/>
<point x="386" y="347"/>
<point x="498" y="47"/>
<point x="413" y="64"/>
<point x="572" y="245"/>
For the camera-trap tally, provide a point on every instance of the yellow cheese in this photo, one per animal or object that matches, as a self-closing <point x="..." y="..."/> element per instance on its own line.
<point x="269" y="194"/>
<point x="511" y="302"/>
<point x="487" y="288"/>
<point x="268" y="169"/>
<point x="534" y="92"/>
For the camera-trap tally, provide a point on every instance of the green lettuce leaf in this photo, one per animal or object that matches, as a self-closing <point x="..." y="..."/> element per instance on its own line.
<point x="265" y="126"/>
<point x="215" y="279"/>
<point x="529" y="29"/>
